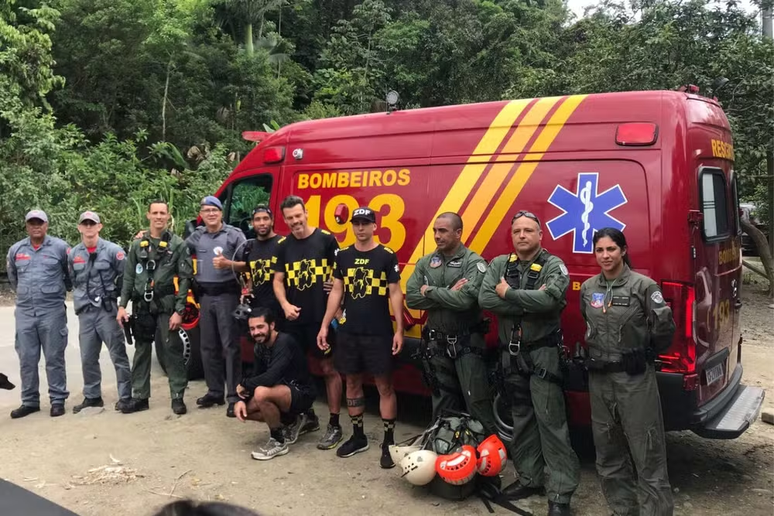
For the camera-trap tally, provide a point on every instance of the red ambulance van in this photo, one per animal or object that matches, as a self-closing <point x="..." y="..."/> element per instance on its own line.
<point x="657" y="164"/>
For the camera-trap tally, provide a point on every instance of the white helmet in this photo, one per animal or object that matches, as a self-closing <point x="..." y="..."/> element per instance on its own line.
<point x="419" y="467"/>
<point x="398" y="452"/>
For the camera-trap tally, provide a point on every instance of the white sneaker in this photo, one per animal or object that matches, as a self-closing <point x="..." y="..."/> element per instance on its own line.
<point x="270" y="450"/>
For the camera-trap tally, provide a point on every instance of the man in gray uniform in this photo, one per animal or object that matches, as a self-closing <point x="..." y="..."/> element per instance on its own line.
<point x="37" y="270"/>
<point x="97" y="270"/>
<point x="215" y="245"/>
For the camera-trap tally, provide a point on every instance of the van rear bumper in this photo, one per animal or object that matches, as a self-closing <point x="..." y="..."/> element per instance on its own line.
<point x="727" y="416"/>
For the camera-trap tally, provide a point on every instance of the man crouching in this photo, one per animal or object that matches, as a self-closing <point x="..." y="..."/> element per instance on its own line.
<point x="280" y="389"/>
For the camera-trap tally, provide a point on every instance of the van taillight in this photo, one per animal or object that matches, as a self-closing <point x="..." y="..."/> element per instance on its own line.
<point x="641" y="133"/>
<point x="681" y="356"/>
<point x="273" y="154"/>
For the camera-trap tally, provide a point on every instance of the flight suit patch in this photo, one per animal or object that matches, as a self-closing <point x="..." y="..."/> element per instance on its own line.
<point x="456" y="264"/>
<point x="597" y="299"/>
<point x="657" y="297"/>
<point x="621" y="301"/>
<point x="138" y="269"/>
<point x="435" y="262"/>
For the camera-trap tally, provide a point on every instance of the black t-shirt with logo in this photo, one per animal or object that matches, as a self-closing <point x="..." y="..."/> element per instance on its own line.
<point x="307" y="264"/>
<point x="367" y="276"/>
<point x="261" y="255"/>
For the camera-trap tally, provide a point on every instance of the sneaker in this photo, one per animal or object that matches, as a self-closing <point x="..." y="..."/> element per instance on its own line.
<point x="178" y="406"/>
<point x="312" y="425"/>
<point x="293" y="430"/>
<point x="88" y="402"/>
<point x="270" y="450"/>
<point x="386" y="461"/>
<point x="135" y="405"/>
<point x="331" y="439"/>
<point x="23" y="411"/>
<point x="352" y="446"/>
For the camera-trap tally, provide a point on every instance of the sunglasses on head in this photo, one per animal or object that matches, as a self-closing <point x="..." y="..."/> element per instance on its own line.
<point x="527" y="214"/>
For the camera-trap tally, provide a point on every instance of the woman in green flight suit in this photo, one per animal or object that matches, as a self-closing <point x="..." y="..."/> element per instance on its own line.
<point x="628" y="325"/>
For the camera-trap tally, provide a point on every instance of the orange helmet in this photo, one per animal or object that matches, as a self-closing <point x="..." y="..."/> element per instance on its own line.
<point x="491" y="456"/>
<point x="457" y="468"/>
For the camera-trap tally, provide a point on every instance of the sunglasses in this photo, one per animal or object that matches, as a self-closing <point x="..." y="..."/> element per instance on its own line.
<point x="527" y="214"/>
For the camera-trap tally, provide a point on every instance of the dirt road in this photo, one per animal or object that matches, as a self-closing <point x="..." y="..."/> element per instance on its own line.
<point x="204" y="455"/>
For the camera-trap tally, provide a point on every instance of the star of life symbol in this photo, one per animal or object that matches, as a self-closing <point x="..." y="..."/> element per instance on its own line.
<point x="585" y="211"/>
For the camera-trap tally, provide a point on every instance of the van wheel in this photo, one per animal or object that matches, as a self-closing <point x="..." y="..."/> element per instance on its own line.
<point x="191" y="352"/>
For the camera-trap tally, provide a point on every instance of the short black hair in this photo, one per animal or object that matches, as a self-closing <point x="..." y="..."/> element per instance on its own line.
<point x="262" y="311"/>
<point x="192" y="508"/>
<point x="291" y="201"/>
<point x="456" y="220"/>
<point x="158" y="201"/>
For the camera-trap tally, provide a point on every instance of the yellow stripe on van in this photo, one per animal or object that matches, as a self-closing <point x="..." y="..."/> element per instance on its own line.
<point x="499" y="171"/>
<point x="476" y="165"/>
<point x="524" y="171"/>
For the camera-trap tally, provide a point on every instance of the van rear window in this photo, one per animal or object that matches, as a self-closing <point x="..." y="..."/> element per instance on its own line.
<point x="714" y="203"/>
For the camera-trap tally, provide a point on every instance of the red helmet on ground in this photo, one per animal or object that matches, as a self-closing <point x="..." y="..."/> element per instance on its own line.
<point x="457" y="468"/>
<point x="491" y="456"/>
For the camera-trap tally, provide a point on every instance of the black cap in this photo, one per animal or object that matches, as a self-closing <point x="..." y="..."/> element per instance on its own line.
<point x="364" y="213"/>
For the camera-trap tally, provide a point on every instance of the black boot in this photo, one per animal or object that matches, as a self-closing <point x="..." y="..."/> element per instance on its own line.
<point x="558" y="509"/>
<point x="230" y="410"/>
<point x="23" y="411"/>
<point x="57" y="409"/>
<point x="178" y="406"/>
<point x="516" y="491"/>
<point x="209" y="400"/>
<point x="88" y="402"/>
<point x="135" y="405"/>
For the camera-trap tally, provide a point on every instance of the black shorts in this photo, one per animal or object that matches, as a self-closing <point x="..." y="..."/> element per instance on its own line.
<point x="306" y="337"/>
<point x="357" y="353"/>
<point x="301" y="398"/>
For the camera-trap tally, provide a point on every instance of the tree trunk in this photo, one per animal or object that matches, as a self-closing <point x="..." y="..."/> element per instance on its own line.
<point x="763" y="249"/>
<point x="164" y="104"/>
<point x="249" y="39"/>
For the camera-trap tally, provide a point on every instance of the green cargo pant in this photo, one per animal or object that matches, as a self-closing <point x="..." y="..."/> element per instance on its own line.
<point x="463" y="386"/>
<point x="541" y="449"/>
<point x="626" y="418"/>
<point x="172" y="347"/>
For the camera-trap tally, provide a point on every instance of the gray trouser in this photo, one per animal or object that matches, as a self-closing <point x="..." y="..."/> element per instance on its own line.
<point x="97" y="326"/>
<point x="628" y="426"/>
<point x="46" y="331"/>
<point x="219" y="343"/>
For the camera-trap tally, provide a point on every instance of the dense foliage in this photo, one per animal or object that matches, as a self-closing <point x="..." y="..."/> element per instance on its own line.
<point x="106" y="104"/>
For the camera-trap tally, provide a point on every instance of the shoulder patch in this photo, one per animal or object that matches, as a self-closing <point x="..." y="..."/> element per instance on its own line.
<point x="564" y="270"/>
<point x="388" y="249"/>
<point x="342" y="249"/>
<point x="657" y="297"/>
<point x="282" y="239"/>
<point x="325" y="232"/>
<point x="481" y="266"/>
<point x="120" y="255"/>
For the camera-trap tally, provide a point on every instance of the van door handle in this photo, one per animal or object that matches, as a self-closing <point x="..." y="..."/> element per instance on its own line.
<point x="737" y="304"/>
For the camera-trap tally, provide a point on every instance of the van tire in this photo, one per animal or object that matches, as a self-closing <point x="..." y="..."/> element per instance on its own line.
<point x="191" y="350"/>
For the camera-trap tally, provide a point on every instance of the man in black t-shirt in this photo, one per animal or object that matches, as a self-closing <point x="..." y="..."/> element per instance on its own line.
<point x="259" y="257"/>
<point x="280" y="387"/>
<point x="304" y="265"/>
<point x="367" y="277"/>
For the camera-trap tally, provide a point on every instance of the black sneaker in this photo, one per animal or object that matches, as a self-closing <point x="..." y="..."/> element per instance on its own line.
<point x="209" y="400"/>
<point x="178" y="406"/>
<point x="57" y="410"/>
<point x="135" y="405"/>
<point x="23" y="411"/>
<point x="352" y="446"/>
<point x="312" y="424"/>
<point x="88" y="402"/>
<point x="386" y="460"/>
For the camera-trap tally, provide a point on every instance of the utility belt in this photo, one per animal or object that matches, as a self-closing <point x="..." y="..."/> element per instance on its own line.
<point x="106" y="303"/>
<point x="218" y="289"/>
<point x="633" y="362"/>
<point x="450" y="345"/>
<point x="516" y="356"/>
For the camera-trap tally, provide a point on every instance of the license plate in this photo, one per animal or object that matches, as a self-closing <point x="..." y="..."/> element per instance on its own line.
<point x="715" y="373"/>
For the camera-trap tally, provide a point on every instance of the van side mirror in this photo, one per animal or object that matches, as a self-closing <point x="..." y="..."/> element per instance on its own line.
<point x="190" y="227"/>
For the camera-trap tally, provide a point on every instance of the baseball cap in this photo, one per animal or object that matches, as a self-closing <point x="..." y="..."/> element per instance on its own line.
<point x="211" y="200"/>
<point x="36" y="214"/>
<point x="89" y="215"/>
<point x="363" y="213"/>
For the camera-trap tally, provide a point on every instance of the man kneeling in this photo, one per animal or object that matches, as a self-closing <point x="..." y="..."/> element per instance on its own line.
<point x="280" y="389"/>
